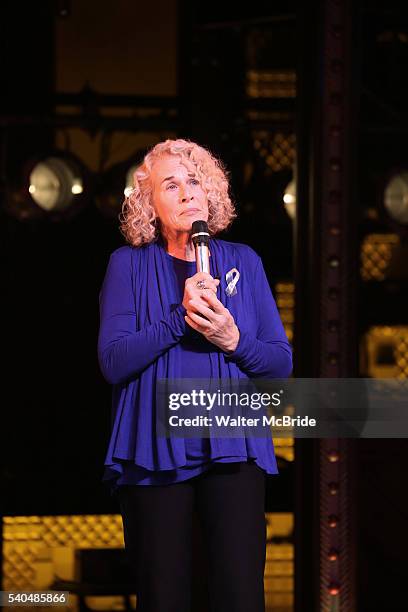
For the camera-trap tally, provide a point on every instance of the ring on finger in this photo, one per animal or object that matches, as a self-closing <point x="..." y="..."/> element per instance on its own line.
<point x="201" y="284"/>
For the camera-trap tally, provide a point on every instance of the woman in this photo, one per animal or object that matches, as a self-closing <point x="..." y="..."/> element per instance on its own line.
<point x="162" y="320"/>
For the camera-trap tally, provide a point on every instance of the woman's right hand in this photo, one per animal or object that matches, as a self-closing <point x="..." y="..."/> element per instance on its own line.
<point x="192" y="292"/>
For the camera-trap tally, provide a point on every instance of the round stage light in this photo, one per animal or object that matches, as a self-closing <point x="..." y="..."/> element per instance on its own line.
<point x="55" y="184"/>
<point x="396" y="197"/>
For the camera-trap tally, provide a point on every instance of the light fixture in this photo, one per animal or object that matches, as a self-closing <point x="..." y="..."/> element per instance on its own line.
<point x="396" y="197"/>
<point x="129" y="180"/>
<point x="289" y="199"/>
<point x="115" y="184"/>
<point x="53" y="185"/>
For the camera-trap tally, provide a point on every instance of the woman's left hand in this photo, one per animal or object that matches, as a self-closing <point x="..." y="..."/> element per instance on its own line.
<point x="218" y="326"/>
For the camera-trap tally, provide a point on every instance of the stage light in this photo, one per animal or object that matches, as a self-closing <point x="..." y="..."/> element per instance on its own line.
<point x="396" y="197"/>
<point x="115" y="184"/>
<point x="129" y="180"/>
<point x="54" y="185"/>
<point x="289" y="199"/>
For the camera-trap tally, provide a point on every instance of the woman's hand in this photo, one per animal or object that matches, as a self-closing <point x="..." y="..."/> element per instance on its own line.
<point x="218" y="326"/>
<point x="192" y="292"/>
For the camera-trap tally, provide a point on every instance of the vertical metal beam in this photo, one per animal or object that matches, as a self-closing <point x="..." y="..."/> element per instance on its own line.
<point x="325" y="334"/>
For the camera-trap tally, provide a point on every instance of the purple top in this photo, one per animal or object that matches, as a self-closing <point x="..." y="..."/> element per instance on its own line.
<point x="143" y="337"/>
<point x="195" y="363"/>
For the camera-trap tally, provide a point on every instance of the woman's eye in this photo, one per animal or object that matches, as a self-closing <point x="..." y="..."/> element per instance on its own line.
<point x="173" y="185"/>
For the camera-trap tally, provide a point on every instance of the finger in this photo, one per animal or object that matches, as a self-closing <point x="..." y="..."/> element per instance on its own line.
<point x="202" y="276"/>
<point x="191" y="323"/>
<point x="206" y="279"/>
<point x="214" y="302"/>
<point x="202" y="324"/>
<point x="210" y="289"/>
<point x="194" y="325"/>
<point x="200" y="307"/>
<point x="198" y="292"/>
<point x="208" y="285"/>
<point x="207" y="282"/>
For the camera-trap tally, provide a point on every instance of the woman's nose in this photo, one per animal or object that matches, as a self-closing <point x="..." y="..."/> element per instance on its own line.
<point x="185" y="194"/>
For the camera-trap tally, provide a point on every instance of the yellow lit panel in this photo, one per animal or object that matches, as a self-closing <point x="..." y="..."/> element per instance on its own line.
<point x="384" y="352"/>
<point x="37" y="549"/>
<point x="376" y="253"/>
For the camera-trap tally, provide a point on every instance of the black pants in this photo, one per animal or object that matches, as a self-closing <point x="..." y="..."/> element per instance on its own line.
<point x="228" y="501"/>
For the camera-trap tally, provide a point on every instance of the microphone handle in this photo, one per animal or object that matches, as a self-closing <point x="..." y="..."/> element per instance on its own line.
<point x="202" y="258"/>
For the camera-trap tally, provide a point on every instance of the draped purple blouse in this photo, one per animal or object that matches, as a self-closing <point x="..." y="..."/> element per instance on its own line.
<point x="143" y="337"/>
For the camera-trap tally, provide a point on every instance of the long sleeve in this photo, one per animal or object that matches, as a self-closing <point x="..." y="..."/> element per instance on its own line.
<point x="123" y="352"/>
<point x="269" y="354"/>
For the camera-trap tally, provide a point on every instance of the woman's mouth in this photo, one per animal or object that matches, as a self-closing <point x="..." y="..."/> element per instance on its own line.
<point x="190" y="211"/>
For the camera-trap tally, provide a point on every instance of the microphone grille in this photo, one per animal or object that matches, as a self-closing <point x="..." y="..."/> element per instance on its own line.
<point x="199" y="232"/>
<point x="199" y="226"/>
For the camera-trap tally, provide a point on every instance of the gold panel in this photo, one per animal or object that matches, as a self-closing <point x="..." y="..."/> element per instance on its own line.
<point x="285" y="300"/>
<point x="285" y="448"/>
<point x="384" y="352"/>
<point x="37" y="549"/>
<point x="279" y="566"/>
<point x="376" y="253"/>
<point x="277" y="149"/>
<point x="35" y="546"/>
<point x="271" y="83"/>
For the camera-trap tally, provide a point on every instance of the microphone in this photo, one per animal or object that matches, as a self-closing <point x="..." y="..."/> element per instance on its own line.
<point x="201" y="239"/>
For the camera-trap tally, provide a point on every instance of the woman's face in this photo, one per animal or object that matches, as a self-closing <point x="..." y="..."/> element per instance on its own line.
<point x="178" y="197"/>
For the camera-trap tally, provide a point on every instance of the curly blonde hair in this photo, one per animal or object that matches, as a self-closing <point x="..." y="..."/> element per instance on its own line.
<point x="139" y="222"/>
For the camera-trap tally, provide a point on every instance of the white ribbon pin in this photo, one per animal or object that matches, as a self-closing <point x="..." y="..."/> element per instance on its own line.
<point x="231" y="277"/>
